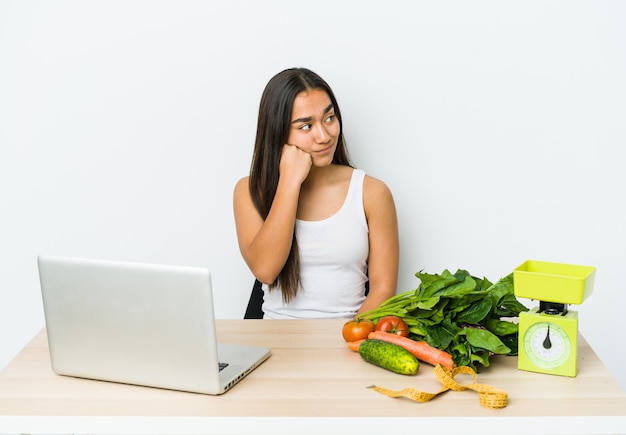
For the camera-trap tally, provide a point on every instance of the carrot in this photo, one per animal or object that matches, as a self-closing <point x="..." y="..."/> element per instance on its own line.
<point x="419" y="349"/>
<point x="354" y="345"/>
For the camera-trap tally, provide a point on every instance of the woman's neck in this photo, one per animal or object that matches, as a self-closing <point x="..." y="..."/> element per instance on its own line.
<point x="320" y="176"/>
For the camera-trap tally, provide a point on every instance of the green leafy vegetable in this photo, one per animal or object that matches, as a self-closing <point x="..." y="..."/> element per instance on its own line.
<point x="468" y="317"/>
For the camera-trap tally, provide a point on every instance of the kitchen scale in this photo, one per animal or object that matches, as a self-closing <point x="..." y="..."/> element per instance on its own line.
<point x="548" y="334"/>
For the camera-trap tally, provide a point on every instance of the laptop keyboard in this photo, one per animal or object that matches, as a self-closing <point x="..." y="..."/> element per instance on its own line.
<point x="222" y="366"/>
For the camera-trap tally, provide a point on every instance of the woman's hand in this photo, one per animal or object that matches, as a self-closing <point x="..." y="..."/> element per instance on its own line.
<point x="295" y="164"/>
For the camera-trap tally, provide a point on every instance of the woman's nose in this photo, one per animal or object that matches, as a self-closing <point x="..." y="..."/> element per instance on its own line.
<point x="321" y="135"/>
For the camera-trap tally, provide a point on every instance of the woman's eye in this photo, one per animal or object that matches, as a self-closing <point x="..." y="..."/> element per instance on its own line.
<point x="330" y="118"/>
<point x="305" y="127"/>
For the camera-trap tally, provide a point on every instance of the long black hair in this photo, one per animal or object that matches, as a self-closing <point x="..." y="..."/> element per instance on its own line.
<point x="272" y="132"/>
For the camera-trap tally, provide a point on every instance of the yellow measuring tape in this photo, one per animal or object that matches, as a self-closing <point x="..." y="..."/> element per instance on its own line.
<point x="488" y="396"/>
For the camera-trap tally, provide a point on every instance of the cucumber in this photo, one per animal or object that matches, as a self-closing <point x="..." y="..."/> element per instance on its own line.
<point x="389" y="356"/>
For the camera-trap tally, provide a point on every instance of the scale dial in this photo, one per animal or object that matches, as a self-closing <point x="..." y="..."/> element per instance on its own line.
<point x="547" y="345"/>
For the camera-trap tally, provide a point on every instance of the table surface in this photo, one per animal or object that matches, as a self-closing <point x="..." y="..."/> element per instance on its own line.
<point x="311" y="383"/>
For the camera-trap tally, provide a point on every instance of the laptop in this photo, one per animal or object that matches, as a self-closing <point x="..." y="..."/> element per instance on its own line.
<point x="141" y="324"/>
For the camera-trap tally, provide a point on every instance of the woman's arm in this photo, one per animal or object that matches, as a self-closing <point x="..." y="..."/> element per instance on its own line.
<point x="384" y="255"/>
<point x="265" y="244"/>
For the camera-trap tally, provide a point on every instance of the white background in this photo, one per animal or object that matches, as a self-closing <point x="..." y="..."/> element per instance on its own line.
<point x="499" y="126"/>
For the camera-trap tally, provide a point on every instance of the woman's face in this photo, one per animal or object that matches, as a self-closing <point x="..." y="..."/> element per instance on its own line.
<point x="314" y="127"/>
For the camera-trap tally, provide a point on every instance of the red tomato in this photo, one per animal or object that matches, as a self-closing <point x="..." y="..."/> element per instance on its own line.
<point x="357" y="329"/>
<point x="393" y="325"/>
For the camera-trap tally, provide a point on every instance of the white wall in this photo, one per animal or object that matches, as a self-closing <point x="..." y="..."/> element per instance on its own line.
<point x="499" y="127"/>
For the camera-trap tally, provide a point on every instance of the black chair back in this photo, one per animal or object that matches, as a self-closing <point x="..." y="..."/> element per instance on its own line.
<point x="254" y="311"/>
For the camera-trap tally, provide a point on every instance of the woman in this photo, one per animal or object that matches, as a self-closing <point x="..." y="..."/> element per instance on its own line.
<point x="310" y="227"/>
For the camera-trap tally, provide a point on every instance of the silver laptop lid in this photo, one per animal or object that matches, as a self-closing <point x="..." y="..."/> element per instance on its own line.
<point x="134" y="323"/>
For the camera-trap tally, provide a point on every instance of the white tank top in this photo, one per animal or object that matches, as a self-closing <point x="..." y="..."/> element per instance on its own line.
<point x="333" y="262"/>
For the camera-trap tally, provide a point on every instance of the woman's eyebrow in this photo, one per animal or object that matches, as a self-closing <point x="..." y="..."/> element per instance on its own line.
<point x="310" y="118"/>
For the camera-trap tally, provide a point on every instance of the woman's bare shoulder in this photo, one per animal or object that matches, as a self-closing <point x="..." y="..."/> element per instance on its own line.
<point x="375" y="187"/>
<point x="376" y="196"/>
<point x="379" y="205"/>
<point x="242" y="185"/>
